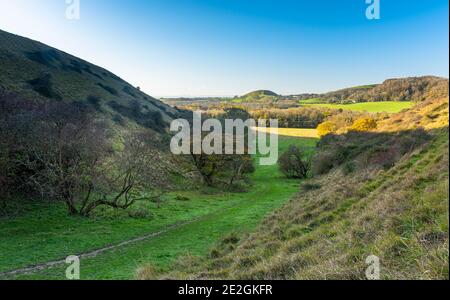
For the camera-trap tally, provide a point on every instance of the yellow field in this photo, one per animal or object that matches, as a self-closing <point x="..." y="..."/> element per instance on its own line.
<point x="291" y="132"/>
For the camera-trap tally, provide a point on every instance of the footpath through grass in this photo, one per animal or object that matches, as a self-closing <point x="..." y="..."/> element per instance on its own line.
<point x="44" y="232"/>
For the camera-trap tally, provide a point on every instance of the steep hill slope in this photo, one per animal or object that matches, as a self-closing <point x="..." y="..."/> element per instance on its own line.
<point x="384" y="194"/>
<point x="37" y="74"/>
<point x="37" y="71"/>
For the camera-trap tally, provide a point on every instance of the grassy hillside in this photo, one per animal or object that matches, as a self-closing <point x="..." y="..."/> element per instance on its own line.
<point x="36" y="71"/>
<point x="37" y="77"/>
<point x="385" y="194"/>
<point x="258" y="96"/>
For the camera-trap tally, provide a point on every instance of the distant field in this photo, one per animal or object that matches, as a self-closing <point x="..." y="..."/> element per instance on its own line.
<point x="373" y="107"/>
<point x="292" y="132"/>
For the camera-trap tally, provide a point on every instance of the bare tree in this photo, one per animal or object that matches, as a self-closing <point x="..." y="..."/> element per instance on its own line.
<point x="130" y="169"/>
<point x="61" y="152"/>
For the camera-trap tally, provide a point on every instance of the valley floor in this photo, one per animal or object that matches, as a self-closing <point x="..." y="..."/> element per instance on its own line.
<point x="44" y="232"/>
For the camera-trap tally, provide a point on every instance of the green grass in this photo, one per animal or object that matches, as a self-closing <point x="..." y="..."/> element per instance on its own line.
<point x="372" y="107"/>
<point x="399" y="215"/>
<point x="312" y="101"/>
<point x="44" y="232"/>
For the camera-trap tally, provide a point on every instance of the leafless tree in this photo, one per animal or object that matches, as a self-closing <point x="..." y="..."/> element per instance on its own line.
<point x="123" y="178"/>
<point x="61" y="152"/>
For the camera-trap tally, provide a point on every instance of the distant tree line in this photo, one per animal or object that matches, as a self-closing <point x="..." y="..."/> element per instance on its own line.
<point x="414" y="89"/>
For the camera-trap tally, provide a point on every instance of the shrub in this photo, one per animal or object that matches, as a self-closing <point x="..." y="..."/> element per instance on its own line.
<point x="322" y="163"/>
<point x="294" y="163"/>
<point x="385" y="156"/>
<point x="44" y="57"/>
<point x="128" y="90"/>
<point x="44" y="86"/>
<point x="109" y="89"/>
<point x="364" y="124"/>
<point x="349" y="167"/>
<point x="139" y="213"/>
<point x="326" y="128"/>
<point x="151" y="119"/>
<point x="412" y="140"/>
<point x="118" y="119"/>
<point x="95" y="102"/>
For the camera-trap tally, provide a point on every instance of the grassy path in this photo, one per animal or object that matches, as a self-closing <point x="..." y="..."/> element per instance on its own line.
<point x="91" y="254"/>
<point x="205" y="219"/>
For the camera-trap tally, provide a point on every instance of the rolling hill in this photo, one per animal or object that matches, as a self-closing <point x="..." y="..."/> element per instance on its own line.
<point x="37" y="71"/>
<point x="415" y="89"/>
<point x="259" y="96"/>
<point x="411" y="89"/>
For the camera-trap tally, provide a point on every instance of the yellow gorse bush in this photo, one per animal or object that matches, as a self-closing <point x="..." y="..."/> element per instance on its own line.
<point x="364" y="124"/>
<point x="326" y="128"/>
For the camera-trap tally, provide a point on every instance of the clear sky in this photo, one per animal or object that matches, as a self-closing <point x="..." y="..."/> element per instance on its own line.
<point x="230" y="47"/>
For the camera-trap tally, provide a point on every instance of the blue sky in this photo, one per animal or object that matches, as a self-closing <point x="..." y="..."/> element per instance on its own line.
<point x="230" y="47"/>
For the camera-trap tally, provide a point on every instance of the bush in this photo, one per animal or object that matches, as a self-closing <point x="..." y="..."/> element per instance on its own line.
<point x="385" y="156"/>
<point x="96" y="102"/>
<point x="118" y="119"/>
<point x="109" y="89"/>
<point x="326" y="128"/>
<point x="364" y="124"/>
<point x="44" y="57"/>
<point x="322" y="163"/>
<point x="139" y="213"/>
<point x="128" y="90"/>
<point x="294" y="163"/>
<point x="43" y="85"/>
<point x="412" y="140"/>
<point x="349" y="167"/>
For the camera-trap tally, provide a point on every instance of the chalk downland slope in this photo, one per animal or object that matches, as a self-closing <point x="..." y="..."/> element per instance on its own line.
<point x="37" y="71"/>
<point x="34" y="72"/>
<point x="385" y="194"/>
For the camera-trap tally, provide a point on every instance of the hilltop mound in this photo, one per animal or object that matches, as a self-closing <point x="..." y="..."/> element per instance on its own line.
<point x="385" y="193"/>
<point x="259" y="96"/>
<point x="37" y="71"/>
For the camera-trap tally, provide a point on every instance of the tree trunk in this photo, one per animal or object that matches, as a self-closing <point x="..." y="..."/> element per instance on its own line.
<point x="72" y="210"/>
